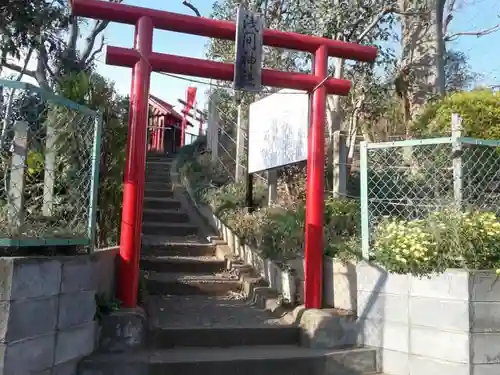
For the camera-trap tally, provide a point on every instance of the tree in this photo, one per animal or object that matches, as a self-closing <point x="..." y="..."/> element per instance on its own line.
<point x="422" y="68"/>
<point x="458" y="73"/>
<point x="46" y="31"/>
<point x="95" y="92"/>
<point x="369" y="21"/>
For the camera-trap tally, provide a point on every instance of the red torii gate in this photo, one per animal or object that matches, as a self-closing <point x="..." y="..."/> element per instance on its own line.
<point x="143" y="61"/>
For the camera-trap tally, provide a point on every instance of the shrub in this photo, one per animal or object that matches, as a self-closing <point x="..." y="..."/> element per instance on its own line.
<point x="278" y="232"/>
<point x="445" y="239"/>
<point x="479" y="109"/>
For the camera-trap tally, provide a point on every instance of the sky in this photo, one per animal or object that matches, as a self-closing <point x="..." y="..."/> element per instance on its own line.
<point x="473" y="15"/>
<point x="166" y="88"/>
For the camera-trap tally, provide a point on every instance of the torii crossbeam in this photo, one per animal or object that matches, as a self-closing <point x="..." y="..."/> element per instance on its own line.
<point x="143" y="61"/>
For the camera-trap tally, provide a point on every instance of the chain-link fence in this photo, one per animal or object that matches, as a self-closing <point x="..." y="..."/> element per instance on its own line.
<point x="229" y="161"/>
<point x="411" y="179"/>
<point x="49" y="168"/>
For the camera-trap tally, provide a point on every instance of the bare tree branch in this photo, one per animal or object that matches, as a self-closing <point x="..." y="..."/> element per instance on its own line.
<point x="477" y="33"/>
<point x="374" y="22"/>
<point x="73" y="36"/>
<point x="99" y="27"/>
<point x="192" y="7"/>
<point x="43" y="56"/>
<point x="26" y="62"/>
<point x="41" y="67"/>
<point x="392" y="9"/>
<point x="18" y="69"/>
<point x="92" y="57"/>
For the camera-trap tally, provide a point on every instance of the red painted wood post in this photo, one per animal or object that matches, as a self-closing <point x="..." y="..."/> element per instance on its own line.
<point x="314" y="247"/>
<point x="133" y="190"/>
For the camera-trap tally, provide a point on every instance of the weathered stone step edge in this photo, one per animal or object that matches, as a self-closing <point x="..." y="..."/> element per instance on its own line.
<point x="192" y="288"/>
<point x="166" y="199"/>
<point x="150" y="193"/>
<point x="183" y="277"/>
<point x="165" y="211"/>
<point x="186" y="249"/>
<point x="169" y="241"/>
<point x="167" y="225"/>
<point x="268" y="360"/>
<point x="223" y="336"/>
<point x="182" y="259"/>
<point x="182" y="264"/>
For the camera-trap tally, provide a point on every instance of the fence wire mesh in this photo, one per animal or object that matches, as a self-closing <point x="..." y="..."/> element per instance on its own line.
<point x="409" y="180"/>
<point x="48" y="168"/>
<point x="228" y="159"/>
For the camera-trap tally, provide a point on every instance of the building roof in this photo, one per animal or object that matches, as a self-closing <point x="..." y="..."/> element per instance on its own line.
<point x="165" y="107"/>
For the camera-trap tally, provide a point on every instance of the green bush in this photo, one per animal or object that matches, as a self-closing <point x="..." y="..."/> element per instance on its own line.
<point x="479" y="109"/>
<point x="445" y="239"/>
<point x="278" y="232"/>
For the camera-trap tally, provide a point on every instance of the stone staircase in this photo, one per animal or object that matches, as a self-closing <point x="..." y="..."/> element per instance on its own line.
<point x="199" y="319"/>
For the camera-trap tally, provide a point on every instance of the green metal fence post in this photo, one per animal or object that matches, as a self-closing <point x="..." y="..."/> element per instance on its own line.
<point x="456" y="133"/>
<point x="94" y="187"/>
<point x="365" y="230"/>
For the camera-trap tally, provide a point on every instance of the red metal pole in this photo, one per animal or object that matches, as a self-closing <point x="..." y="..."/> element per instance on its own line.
<point x="133" y="191"/>
<point x="314" y="246"/>
<point x="189" y="66"/>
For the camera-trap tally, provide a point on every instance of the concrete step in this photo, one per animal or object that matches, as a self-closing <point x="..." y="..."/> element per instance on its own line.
<point x="155" y="161"/>
<point x="153" y="193"/>
<point x="169" y="228"/>
<point x="161" y="203"/>
<point x="190" y="265"/>
<point x="223" y="336"/>
<point x="183" y="284"/>
<point x="163" y="169"/>
<point x="156" y="177"/>
<point x="174" y="216"/>
<point x="231" y="310"/>
<point x="154" y="171"/>
<point x="158" y="186"/>
<point x="256" y="360"/>
<point x="176" y="248"/>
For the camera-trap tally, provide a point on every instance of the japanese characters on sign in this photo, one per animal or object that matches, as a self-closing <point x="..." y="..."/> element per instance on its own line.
<point x="248" y="61"/>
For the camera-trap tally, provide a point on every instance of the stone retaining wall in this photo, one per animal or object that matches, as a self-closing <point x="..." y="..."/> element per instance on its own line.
<point x="447" y="324"/>
<point x="47" y="309"/>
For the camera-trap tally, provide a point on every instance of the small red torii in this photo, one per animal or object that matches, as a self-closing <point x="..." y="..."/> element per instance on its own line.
<point x="143" y="61"/>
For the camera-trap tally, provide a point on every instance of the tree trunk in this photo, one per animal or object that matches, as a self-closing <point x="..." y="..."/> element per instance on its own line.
<point x="422" y="51"/>
<point x="335" y="114"/>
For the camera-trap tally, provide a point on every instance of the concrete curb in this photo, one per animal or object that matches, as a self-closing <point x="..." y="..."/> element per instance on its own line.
<point x="123" y="330"/>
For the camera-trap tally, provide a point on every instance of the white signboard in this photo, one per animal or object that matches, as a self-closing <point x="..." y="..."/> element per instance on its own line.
<point x="278" y="128"/>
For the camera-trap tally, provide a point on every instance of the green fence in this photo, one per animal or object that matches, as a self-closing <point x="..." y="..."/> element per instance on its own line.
<point x="49" y="168"/>
<point x="412" y="179"/>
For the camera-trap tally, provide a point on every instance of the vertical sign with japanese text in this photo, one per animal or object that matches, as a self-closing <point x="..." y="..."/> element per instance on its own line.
<point x="249" y="41"/>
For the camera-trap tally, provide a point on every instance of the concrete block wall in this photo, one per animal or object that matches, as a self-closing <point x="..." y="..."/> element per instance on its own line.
<point x="47" y="309"/>
<point x="444" y="324"/>
<point x="339" y="283"/>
